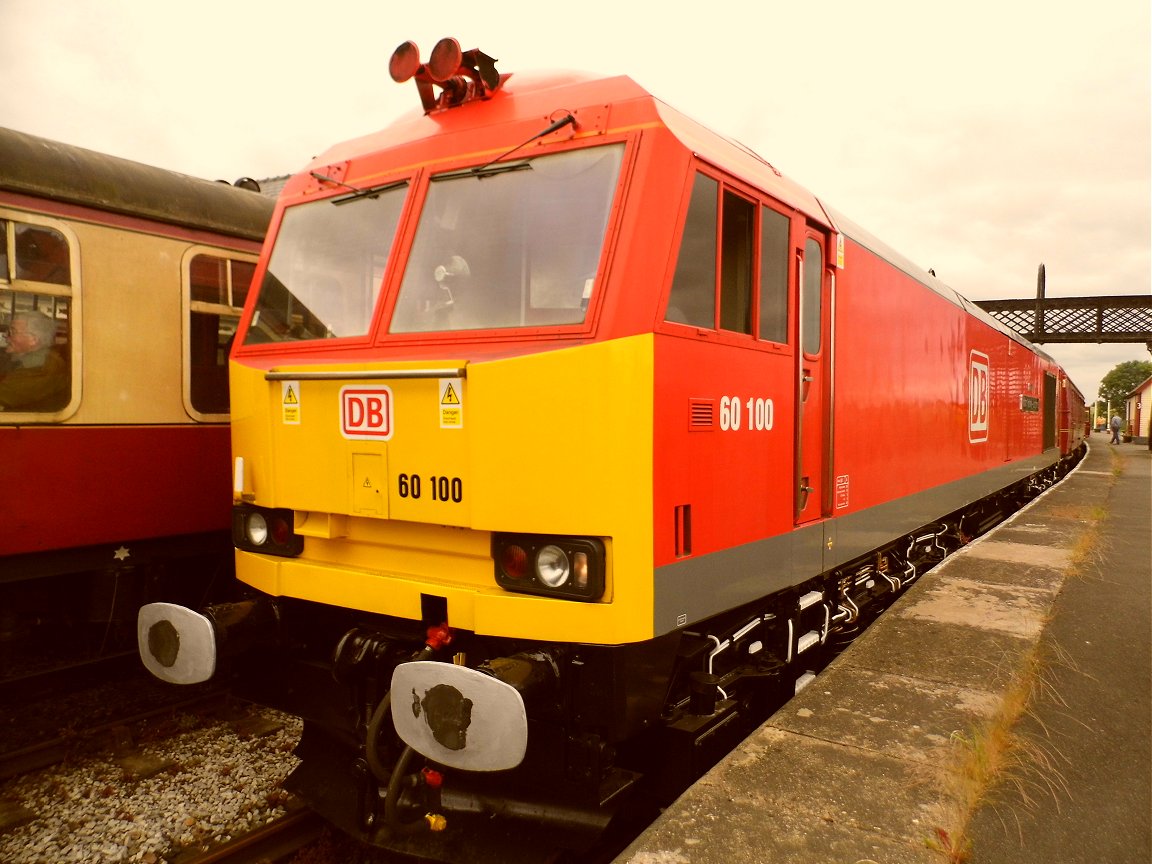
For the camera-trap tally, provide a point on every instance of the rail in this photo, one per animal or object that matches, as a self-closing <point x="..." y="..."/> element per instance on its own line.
<point x="272" y="842"/>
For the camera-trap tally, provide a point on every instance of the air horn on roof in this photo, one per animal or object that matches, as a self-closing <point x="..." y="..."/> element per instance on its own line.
<point x="461" y="75"/>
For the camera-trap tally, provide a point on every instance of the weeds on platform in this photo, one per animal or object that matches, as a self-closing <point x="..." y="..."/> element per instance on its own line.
<point x="1117" y="464"/>
<point x="1011" y="752"/>
<point x="1001" y="757"/>
<point x="1011" y="755"/>
<point x="1083" y="551"/>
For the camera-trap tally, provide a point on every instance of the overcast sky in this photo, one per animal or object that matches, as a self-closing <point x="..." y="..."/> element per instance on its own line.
<point x="978" y="138"/>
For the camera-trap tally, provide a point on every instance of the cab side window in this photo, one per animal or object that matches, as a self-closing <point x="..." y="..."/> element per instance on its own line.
<point x="217" y="288"/>
<point x="812" y="296"/>
<point x="773" y="275"/>
<point x="693" y="298"/>
<point x="732" y="268"/>
<point x="738" y="248"/>
<point x="35" y="318"/>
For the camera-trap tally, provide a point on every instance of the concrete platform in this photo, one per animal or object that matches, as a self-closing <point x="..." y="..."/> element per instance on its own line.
<point x="865" y="764"/>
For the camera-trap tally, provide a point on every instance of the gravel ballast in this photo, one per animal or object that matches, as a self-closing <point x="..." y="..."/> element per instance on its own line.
<point x="150" y="802"/>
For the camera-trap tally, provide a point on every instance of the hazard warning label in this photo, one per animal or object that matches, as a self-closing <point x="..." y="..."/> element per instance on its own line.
<point x="451" y="403"/>
<point x="290" y="402"/>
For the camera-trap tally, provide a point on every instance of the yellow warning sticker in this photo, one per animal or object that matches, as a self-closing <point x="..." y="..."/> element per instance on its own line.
<point x="290" y="402"/>
<point x="451" y="403"/>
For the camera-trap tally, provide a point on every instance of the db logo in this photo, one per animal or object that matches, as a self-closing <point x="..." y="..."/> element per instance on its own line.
<point x="366" y="413"/>
<point x="979" y="397"/>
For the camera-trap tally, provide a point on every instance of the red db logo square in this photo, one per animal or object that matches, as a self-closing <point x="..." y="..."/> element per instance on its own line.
<point x="366" y="413"/>
<point x="979" y="396"/>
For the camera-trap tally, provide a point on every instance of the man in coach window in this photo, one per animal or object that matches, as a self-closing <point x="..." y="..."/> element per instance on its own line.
<point x="35" y="377"/>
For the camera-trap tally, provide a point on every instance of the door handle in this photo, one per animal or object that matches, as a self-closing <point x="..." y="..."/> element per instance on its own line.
<point x="802" y="498"/>
<point x="806" y="380"/>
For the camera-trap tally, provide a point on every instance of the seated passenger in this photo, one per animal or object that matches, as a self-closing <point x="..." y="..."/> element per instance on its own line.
<point x="35" y="376"/>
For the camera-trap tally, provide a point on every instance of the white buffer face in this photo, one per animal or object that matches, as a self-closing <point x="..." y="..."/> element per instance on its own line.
<point x="176" y="644"/>
<point x="458" y="716"/>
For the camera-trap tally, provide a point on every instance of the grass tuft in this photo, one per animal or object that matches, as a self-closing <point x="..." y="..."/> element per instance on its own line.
<point x="1117" y="463"/>
<point x="999" y="755"/>
<point x="1012" y="752"/>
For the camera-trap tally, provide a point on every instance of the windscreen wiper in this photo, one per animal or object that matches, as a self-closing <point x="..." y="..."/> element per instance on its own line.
<point x="484" y="171"/>
<point x="490" y="168"/>
<point x="357" y="192"/>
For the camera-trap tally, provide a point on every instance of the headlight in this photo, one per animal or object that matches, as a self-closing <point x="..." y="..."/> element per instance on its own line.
<point x="265" y="529"/>
<point x="552" y="566"/>
<point x="569" y="567"/>
<point x="256" y="528"/>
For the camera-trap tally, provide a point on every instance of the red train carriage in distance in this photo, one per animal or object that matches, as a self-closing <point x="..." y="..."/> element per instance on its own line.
<point x="120" y="287"/>
<point x="571" y="437"/>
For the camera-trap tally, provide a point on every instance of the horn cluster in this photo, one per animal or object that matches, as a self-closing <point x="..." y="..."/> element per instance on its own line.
<point x="461" y="75"/>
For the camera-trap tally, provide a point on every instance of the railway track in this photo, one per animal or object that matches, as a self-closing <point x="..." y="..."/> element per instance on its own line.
<point x="56" y="748"/>
<point x="302" y="837"/>
<point x="272" y="843"/>
<point x="48" y="712"/>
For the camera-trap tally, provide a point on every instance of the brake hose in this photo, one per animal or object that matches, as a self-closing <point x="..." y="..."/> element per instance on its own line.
<point x="438" y="637"/>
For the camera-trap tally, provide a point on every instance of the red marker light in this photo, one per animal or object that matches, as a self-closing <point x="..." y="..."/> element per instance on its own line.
<point x="281" y="531"/>
<point x="514" y="562"/>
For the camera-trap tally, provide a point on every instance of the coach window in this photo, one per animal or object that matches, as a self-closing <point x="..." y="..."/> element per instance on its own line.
<point x="774" y="228"/>
<point x="35" y="318"/>
<point x="42" y="255"/>
<point x="217" y="288"/>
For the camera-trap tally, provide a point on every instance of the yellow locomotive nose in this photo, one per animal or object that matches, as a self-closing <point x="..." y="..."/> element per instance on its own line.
<point x="386" y="441"/>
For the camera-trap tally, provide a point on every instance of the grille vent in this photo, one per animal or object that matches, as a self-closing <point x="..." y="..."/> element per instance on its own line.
<point x="701" y="414"/>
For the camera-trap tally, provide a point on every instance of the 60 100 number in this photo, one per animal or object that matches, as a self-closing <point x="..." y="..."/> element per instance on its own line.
<point x="758" y="414"/>
<point x="439" y="488"/>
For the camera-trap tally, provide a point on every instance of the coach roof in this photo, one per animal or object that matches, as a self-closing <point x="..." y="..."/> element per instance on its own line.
<point x="62" y="172"/>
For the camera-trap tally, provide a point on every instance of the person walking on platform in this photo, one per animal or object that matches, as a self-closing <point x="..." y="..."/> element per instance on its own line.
<point x="1116" y="424"/>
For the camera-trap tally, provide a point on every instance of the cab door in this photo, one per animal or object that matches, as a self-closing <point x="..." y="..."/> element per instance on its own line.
<point x="812" y="379"/>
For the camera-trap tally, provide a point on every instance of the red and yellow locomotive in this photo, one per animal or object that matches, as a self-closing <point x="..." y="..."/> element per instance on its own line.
<point x="568" y="435"/>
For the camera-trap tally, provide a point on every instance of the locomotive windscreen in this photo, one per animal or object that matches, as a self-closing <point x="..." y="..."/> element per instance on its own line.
<point x="517" y="247"/>
<point x="326" y="269"/>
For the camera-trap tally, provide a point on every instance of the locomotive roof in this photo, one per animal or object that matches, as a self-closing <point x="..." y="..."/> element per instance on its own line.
<point x="62" y="172"/>
<point x="540" y="93"/>
<point x="882" y="250"/>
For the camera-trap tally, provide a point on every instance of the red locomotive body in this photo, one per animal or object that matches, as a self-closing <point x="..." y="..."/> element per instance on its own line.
<point x="602" y="401"/>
